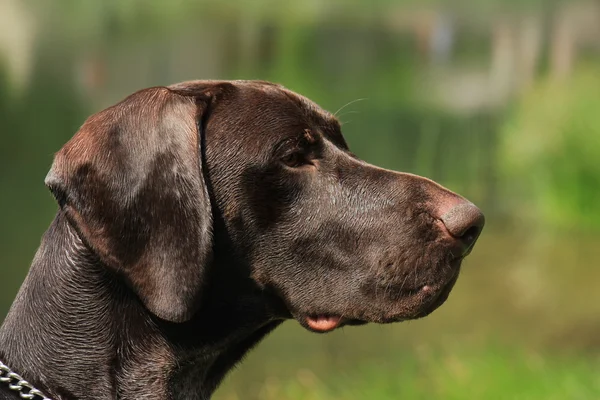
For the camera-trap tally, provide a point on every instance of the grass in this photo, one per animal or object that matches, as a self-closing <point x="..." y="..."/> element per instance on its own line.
<point x="491" y="373"/>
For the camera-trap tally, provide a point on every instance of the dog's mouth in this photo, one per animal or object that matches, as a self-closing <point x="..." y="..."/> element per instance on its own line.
<point x="410" y="303"/>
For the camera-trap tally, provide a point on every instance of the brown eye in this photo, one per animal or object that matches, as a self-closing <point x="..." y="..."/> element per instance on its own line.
<point x="294" y="160"/>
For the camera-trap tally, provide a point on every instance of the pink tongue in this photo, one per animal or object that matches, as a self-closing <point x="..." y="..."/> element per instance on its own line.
<point x="323" y="323"/>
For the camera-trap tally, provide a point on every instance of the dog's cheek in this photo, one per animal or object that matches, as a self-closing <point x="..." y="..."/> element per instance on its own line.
<point x="269" y="196"/>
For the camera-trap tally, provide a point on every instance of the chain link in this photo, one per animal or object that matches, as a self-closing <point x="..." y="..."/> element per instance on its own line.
<point x="17" y="383"/>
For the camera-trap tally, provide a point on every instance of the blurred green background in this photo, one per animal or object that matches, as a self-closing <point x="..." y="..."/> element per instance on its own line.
<point x="498" y="100"/>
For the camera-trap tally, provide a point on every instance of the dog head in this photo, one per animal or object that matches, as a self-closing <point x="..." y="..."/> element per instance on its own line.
<point x="154" y="183"/>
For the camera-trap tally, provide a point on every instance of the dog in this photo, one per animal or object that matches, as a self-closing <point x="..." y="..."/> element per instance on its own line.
<point x="194" y="219"/>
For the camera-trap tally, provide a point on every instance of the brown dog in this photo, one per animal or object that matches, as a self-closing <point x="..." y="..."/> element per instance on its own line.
<point x="195" y="218"/>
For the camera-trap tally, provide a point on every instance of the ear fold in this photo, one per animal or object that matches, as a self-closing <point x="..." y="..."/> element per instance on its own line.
<point x="131" y="183"/>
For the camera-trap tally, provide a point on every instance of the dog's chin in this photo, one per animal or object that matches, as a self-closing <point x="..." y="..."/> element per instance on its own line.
<point x="408" y="304"/>
<point x="420" y="301"/>
<point x="436" y="298"/>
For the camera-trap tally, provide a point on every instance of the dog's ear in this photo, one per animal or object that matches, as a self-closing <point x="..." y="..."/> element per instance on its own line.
<point x="131" y="182"/>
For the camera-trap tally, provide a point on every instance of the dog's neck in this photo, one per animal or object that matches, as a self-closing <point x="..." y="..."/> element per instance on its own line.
<point x="77" y="331"/>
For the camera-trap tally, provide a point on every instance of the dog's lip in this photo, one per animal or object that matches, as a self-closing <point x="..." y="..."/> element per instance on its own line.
<point x="430" y="295"/>
<point x="322" y="323"/>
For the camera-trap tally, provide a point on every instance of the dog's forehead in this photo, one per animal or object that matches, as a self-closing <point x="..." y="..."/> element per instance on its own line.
<point x="260" y="92"/>
<point x="275" y="92"/>
<point x="290" y="105"/>
<point x="265" y="108"/>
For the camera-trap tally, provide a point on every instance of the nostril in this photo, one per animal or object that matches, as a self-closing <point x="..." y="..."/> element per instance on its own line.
<point x="470" y="235"/>
<point x="464" y="222"/>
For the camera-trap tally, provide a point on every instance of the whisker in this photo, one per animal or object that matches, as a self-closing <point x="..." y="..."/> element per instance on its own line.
<point x="348" y="112"/>
<point x="347" y="104"/>
<point x="404" y="282"/>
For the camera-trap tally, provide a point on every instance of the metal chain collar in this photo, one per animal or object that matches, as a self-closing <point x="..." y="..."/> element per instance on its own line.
<point x="20" y="385"/>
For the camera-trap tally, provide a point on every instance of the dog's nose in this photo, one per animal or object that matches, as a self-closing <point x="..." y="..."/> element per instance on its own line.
<point x="464" y="222"/>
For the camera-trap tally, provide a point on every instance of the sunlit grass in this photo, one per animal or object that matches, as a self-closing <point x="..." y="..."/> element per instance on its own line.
<point x="491" y="373"/>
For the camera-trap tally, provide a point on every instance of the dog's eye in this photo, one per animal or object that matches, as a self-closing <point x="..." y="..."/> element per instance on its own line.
<point x="294" y="160"/>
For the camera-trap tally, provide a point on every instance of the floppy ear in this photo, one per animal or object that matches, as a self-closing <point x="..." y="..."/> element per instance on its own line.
<point x="131" y="183"/>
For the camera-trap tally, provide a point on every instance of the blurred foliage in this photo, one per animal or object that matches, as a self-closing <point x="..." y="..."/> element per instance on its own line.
<point x="550" y="151"/>
<point x="493" y="373"/>
<point x="98" y="21"/>
<point x="32" y="127"/>
<point x="147" y="12"/>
